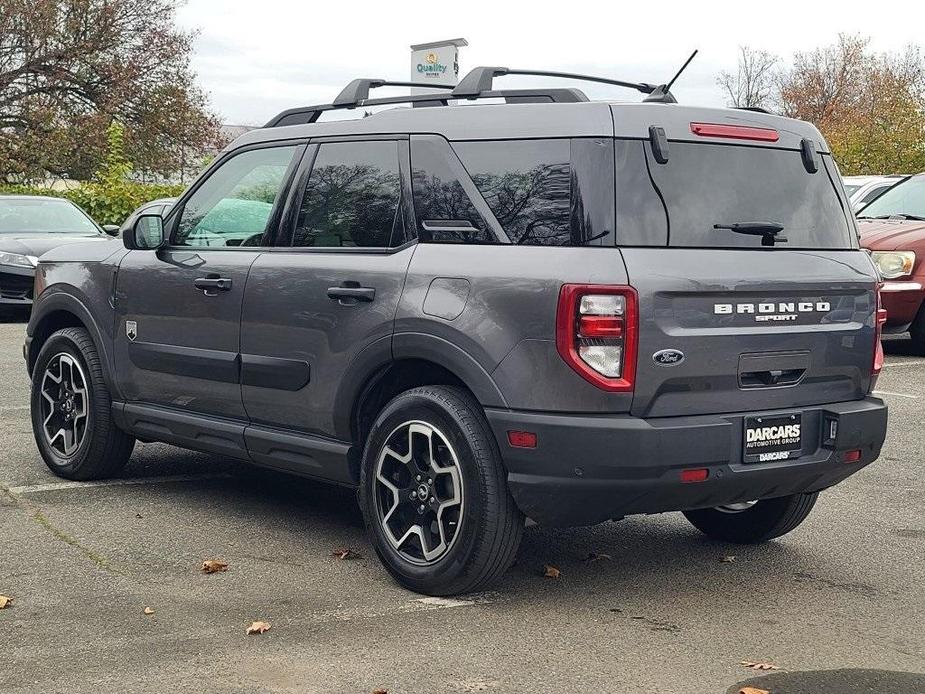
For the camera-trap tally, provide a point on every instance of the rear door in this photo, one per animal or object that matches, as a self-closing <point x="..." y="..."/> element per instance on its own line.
<point x="326" y="296"/>
<point x="179" y="308"/>
<point x="728" y="323"/>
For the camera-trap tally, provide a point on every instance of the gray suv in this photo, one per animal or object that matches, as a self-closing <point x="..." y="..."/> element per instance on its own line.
<point x="549" y="308"/>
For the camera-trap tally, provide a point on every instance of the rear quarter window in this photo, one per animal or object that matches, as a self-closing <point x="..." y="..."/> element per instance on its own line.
<point x="703" y="184"/>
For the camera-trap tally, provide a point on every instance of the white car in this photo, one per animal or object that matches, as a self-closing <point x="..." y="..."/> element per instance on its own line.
<point x="862" y="190"/>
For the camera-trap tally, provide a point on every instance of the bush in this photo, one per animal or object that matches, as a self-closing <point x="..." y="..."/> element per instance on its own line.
<point x="107" y="204"/>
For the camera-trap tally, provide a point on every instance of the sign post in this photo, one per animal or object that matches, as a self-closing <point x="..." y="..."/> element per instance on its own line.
<point x="435" y="63"/>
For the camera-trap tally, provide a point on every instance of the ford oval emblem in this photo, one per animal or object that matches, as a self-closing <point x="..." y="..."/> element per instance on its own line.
<point x="668" y="357"/>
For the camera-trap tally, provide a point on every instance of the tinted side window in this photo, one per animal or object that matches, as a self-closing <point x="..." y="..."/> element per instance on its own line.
<point x="527" y="185"/>
<point x="641" y="215"/>
<point x="444" y="210"/>
<point x="232" y="207"/>
<point x="352" y="196"/>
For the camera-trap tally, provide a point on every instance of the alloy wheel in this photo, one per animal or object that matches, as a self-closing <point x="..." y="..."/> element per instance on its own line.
<point x="65" y="404"/>
<point x="418" y="492"/>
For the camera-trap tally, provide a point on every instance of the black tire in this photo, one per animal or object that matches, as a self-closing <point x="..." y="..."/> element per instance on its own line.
<point x="489" y="525"/>
<point x="103" y="449"/>
<point x="917" y="332"/>
<point x="764" y="521"/>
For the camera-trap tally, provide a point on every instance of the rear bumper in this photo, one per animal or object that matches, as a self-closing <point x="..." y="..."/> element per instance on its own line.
<point x="902" y="300"/>
<point x="589" y="469"/>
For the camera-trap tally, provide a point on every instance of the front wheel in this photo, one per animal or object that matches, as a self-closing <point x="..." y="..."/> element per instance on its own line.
<point x="71" y="410"/>
<point x="753" y="522"/>
<point x="434" y="494"/>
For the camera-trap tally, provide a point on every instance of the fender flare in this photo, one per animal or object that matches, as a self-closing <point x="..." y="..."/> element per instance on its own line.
<point x="376" y="357"/>
<point x="53" y="300"/>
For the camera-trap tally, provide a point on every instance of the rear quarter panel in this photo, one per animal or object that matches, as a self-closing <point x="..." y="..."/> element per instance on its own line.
<point x="507" y="319"/>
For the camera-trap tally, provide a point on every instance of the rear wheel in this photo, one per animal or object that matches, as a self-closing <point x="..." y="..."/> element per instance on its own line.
<point x="71" y="410"/>
<point x="434" y="494"/>
<point x="753" y="522"/>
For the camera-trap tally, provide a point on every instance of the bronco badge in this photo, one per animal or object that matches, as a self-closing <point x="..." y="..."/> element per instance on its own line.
<point x="131" y="330"/>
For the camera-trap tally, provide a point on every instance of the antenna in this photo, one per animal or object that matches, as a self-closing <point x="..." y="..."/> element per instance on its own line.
<point x="683" y="68"/>
<point x="662" y="93"/>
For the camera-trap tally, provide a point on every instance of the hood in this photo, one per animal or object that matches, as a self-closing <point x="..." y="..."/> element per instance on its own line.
<point x="38" y="244"/>
<point x="892" y="235"/>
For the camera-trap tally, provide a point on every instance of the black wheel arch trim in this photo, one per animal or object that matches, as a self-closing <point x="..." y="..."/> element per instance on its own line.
<point x="52" y="301"/>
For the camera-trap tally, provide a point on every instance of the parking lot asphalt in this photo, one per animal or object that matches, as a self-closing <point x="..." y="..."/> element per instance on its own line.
<point x="838" y="604"/>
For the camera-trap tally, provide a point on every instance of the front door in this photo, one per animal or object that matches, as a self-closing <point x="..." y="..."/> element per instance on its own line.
<point x="178" y="309"/>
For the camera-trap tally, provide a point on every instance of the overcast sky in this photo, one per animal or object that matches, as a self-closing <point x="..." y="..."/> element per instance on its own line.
<point x="258" y="58"/>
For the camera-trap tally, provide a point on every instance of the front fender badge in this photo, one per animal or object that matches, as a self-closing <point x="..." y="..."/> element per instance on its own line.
<point x="668" y="357"/>
<point x="131" y="330"/>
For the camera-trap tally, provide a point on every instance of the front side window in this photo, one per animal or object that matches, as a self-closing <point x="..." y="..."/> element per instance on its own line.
<point x="352" y="197"/>
<point x="232" y="207"/>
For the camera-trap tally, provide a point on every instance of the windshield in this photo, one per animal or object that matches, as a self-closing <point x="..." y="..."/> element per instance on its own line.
<point x="904" y="199"/>
<point x="49" y="216"/>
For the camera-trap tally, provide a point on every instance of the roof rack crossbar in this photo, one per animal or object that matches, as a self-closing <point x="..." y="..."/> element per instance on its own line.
<point x="310" y="114"/>
<point x="358" y="90"/>
<point x="480" y="80"/>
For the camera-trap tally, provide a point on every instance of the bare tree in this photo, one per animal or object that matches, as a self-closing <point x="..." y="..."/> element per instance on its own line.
<point x="754" y="83"/>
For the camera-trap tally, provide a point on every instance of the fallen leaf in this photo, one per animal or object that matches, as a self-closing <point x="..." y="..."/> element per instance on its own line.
<point x="550" y="571"/>
<point x="759" y="665"/>
<point x="211" y="566"/>
<point x="753" y="690"/>
<point x="728" y="559"/>
<point x="5" y="602"/>
<point x="346" y="553"/>
<point x="138" y="515"/>
<point x="595" y="556"/>
<point x="258" y="628"/>
<point x="149" y="610"/>
<point x="380" y="691"/>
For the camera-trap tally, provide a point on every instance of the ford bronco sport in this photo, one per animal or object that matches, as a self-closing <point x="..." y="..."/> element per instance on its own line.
<point x="549" y="308"/>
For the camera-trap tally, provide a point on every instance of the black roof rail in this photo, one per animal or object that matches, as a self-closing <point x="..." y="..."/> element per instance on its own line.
<point x="310" y="114"/>
<point x="479" y="80"/>
<point x="358" y="90"/>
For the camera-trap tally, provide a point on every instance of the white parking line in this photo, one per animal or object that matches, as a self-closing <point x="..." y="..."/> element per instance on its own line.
<point x="57" y="486"/>
<point x="13" y="408"/>
<point x="904" y="363"/>
<point x="898" y="395"/>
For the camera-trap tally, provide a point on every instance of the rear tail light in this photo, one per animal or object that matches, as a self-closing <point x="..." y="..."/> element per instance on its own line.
<point x="735" y="132"/>
<point x="596" y="333"/>
<point x="878" y="346"/>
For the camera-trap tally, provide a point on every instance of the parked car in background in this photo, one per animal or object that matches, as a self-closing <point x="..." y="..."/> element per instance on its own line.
<point x="159" y="207"/>
<point x="893" y="228"/>
<point x="863" y="190"/>
<point x="30" y="226"/>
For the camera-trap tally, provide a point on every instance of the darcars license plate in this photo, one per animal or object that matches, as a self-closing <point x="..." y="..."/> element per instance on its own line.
<point x="772" y="438"/>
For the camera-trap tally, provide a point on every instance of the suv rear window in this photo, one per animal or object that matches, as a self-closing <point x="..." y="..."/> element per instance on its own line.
<point x="702" y="185"/>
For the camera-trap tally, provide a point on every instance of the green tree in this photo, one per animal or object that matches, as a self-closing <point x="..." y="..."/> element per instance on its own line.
<point x="69" y="67"/>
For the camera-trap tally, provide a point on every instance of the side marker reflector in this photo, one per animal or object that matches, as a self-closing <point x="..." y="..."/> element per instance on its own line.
<point x="521" y="439"/>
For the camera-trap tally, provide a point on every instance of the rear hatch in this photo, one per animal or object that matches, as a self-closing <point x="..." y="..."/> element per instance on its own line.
<point x="731" y="321"/>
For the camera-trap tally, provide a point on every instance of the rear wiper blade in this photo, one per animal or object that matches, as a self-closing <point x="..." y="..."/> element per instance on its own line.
<point x="768" y="231"/>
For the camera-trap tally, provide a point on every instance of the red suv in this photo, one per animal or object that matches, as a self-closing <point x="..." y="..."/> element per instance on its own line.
<point x="893" y="228"/>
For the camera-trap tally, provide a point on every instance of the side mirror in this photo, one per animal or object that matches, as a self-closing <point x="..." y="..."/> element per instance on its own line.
<point x="111" y="229"/>
<point x="146" y="234"/>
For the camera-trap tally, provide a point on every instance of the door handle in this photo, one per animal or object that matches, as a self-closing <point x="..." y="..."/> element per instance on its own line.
<point x="212" y="284"/>
<point x="351" y="292"/>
